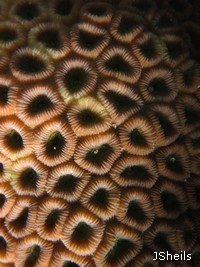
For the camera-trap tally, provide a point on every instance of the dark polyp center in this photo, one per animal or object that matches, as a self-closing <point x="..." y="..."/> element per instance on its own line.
<point x="50" y="38"/>
<point x="55" y="144"/>
<point x="99" y="154"/>
<point x="148" y="49"/>
<point x="174" y="49"/>
<point x="14" y="140"/>
<point x="70" y="264"/>
<point x="87" y="117"/>
<point x="170" y="202"/>
<point x="30" y="64"/>
<point x="118" y="64"/>
<point x="143" y="6"/>
<point x="127" y="24"/>
<point x="28" y="178"/>
<point x="52" y="219"/>
<point x="135" y="172"/>
<point x="165" y="124"/>
<point x="188" y="236"/>
<point x="82" y="232"/>
<point x="63" y="7"/>
<point x="1" y="168"/>
<point x="100" y="197"/>
<point x="3" y="244"/>
<point x="88" y="40"/>
<point x="3" y="94"/>
<point x="165" y="22"/>
<point x="192" y="115"/>
<point x="196" y="142"/>
<point x="188" y="76"/>
<point x="2" y="200"/>
<point x="158" y="87"/>
<point x="137" y="138"/>
<point x="7" y="35"/>
<point x="27" y="11"/>
<point x="147" y="264"/>
<point x="34" y="253"/>
<point x="121" y="247"/>
<point x="173" y="162"/>
<point x="197" y="193"/>
<point x="194" y="36"/>
<point x="97" y="10"/>
<point x="66" y="183"/>
<point x="161" y="242"/>
<point x="121" y="103"/>
<point x="195" y="258"/>
<point x="135" y="211"/>
<point x="178" y="6"/>
<point x="20" y="222"/>
<point x="40" y="104"/>
<point x="75" y="79"/>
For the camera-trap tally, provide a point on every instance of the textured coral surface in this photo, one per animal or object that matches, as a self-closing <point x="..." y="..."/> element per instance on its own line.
<point x="99" y="132"/>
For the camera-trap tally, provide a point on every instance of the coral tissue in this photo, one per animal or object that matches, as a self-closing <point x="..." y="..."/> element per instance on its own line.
<point x="99" y="132"/>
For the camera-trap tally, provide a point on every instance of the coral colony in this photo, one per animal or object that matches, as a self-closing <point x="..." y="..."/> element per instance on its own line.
<point x="99" y="133"/>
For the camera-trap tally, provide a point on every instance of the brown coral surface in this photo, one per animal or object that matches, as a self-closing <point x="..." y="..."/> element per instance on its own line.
<point x="99" y="132"/>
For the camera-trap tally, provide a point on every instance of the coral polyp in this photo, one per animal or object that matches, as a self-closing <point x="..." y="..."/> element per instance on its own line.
<point x="99" y="133"/>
